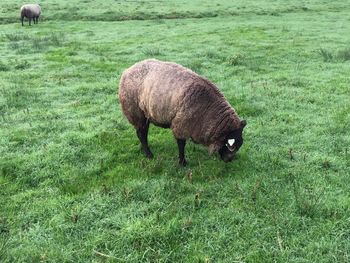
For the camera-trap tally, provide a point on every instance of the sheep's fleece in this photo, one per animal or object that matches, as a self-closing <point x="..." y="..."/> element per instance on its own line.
<point x="30" y="11"/>
<point x="172" y="96"/>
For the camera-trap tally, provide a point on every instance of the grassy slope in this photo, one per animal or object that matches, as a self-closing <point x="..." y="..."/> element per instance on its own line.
<point x="73" y="181"/>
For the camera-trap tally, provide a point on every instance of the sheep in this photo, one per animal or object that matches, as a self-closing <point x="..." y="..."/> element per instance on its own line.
<point x="30" y="11"/>
<point x="172" y="96"/>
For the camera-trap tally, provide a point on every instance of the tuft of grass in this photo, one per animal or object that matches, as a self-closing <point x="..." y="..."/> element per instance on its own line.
<point x="21" y="65"/>
<point x="326" y="54"/>
<point x="4" y="67"/>
<point x="333" y="56"/>
<point x="308" y="201"/>
<point x="17" y="37"/>
<point x="236" y="60"/>
<point x="15" y="45"/>
<point x="213" y="54"/>
<point x="54" y="39"/>
<point x="195" y="65"/>
<point x="344" y="54"/>
<point x="37" y="43"/>
<point x="151" y="51"/>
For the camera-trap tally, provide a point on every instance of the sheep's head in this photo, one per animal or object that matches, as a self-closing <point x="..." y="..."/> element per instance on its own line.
<point x="230" y="143"/>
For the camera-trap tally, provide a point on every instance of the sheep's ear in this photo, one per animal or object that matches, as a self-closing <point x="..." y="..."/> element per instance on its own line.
<point x="213" y="148"/>
<point x="243" y="123"/>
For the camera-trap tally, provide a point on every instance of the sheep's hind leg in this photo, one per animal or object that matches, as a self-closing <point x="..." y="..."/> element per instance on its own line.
<point x="142" y="135"/>
<point x="181" y="145"/>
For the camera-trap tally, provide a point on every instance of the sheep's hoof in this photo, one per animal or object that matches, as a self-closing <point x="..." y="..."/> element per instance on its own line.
<point x="149" y="155"/>
<point x="183" y="162"/>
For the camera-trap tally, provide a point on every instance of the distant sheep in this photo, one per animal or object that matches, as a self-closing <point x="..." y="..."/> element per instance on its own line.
<point x="30" y="11"/>
<point x="172" y="96"/>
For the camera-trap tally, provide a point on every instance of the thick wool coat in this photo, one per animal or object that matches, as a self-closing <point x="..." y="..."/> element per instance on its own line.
<point x="30" y="10"/>
<point x="170" y="95"/>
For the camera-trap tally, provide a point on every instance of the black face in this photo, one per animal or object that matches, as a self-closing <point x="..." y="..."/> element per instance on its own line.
<point x="232" y="143"/>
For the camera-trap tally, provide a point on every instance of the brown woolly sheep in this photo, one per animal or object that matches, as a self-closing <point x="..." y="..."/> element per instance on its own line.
<point x="30" y="11"/>
<point x="172" y="96"/>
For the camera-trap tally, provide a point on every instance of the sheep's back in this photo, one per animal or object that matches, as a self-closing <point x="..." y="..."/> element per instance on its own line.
<point x="171" y="95"/>
<point x="156" y="87"/>
<point x="163" y="90"/>
<point x="30" y="10"/>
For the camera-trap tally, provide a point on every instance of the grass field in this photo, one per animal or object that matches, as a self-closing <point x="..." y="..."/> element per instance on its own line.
<point x="74" y="185"/>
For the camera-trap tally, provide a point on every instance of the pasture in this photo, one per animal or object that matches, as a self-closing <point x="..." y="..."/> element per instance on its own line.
<point x="74" y="185"/>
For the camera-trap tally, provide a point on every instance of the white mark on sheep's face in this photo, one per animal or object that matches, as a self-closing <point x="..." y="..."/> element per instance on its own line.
<point x="231" y="141"/>
<point x="230" y="145"/>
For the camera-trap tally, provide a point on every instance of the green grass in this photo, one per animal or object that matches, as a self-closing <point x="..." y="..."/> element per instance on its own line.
<point x="74" y="185"/>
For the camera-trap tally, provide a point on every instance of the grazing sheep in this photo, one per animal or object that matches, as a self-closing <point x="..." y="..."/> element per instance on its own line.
<point x="172" y="96"/>
<point x="30" y="11"/>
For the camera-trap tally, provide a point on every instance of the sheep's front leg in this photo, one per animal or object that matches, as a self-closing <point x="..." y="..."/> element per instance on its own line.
<point x="142" y="135"/>
<point x="181" y="144"/>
